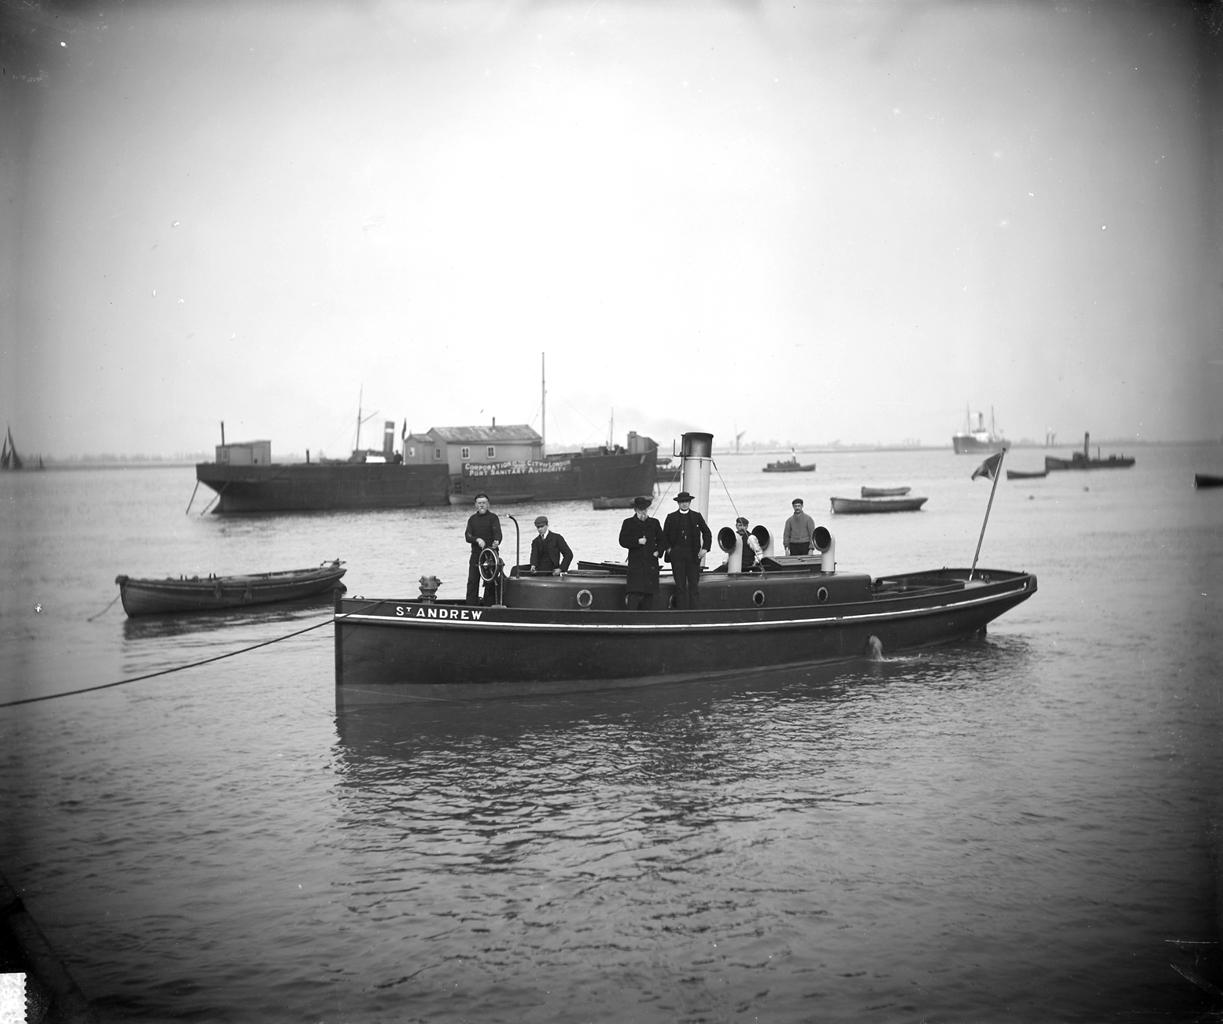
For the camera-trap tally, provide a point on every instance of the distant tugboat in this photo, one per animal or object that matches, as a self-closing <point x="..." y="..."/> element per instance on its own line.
<point x="790" y="465"/>
<point x="1083" y="459"/>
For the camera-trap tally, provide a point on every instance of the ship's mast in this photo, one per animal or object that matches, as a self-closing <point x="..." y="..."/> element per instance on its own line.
<point x="356" y="445"/>
<point x="543" y="403"/>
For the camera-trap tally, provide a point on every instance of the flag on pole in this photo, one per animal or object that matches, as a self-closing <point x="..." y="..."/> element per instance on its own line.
<point x="988" y="468"/>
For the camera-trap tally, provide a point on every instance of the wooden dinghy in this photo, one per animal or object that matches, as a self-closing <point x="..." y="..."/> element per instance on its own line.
<point x="860" y="506"/>
<point x="215" y="593"/>
<point x="885" y="492"/>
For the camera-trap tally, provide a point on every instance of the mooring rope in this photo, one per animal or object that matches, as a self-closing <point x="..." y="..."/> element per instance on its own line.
<point x="106" y="609"/>
<point x="167" y="671"/>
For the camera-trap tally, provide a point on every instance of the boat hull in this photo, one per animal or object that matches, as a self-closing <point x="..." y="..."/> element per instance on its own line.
<point x="747" y="623"/>
<point x="885" y="492"/>
<point x="967" y="444"/>
<point x="1201" y="480"/>
<point x="218" y="593"/>
<point x="864" y="506"/>
<point x="1077" y="461"/>
<point x="1026" y="474"/>
<point x="323" y="486"/>
<point x="613" y="475"/>
<point x="358" y="485"/>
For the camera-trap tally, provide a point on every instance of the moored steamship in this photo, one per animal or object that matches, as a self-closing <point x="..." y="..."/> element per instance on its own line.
<point x="443" y="465"/>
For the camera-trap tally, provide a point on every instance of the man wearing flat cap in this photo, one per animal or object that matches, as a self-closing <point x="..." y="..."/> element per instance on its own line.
<point x="641" y="535"/>
<point x="751" y="550"/>
<point x="549" y="552"/>
<point x="687" y="539"/>
<point x="799" y="531"/>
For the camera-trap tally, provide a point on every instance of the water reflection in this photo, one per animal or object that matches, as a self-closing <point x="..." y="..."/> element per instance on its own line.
<point x="679" y="718"/>
<point x="158" y="627"/>
<point x="666" y="832"/>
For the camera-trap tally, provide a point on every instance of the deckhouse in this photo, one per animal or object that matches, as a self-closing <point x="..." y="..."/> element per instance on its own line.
<point x="455" y="447"/>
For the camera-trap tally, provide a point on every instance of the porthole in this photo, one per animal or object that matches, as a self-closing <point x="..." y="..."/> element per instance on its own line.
<point x="585" y="597"/>
<point x="821" y="595"/>
<point x="758" y="598"/>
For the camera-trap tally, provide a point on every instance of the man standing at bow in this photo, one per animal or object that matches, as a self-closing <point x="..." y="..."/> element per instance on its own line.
<point x="688" y="539"/>
<point x="799" y="532"/>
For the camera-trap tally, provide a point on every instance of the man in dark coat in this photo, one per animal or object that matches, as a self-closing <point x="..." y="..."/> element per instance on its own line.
<point x="641" y="535"/>
<point x="483" y="531"/>
<point x="687" y="539"/>
<point x="549" y="552"/>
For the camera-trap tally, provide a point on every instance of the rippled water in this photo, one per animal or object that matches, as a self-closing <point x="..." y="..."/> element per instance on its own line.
<point x="1022" y="827"/>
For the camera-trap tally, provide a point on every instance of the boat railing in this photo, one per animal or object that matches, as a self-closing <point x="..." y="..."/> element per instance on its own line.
<point x="885" y="585"/>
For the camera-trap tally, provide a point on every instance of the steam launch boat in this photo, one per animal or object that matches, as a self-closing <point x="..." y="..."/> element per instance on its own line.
<point x="573" y="632"/>
<point x="444" y="465"/>
<point x="977" y="440"/>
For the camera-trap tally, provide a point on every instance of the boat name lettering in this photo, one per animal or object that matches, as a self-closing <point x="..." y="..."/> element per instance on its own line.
<point x="481" y="469"/>
<point x="424" y="612"/>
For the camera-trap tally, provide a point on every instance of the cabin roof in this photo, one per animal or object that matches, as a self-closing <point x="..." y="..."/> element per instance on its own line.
<point x="486" y="434"/>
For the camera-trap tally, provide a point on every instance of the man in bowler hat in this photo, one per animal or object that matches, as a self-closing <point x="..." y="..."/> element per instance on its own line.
<point x="641" y="535"/>
<point x="687" y="539"/>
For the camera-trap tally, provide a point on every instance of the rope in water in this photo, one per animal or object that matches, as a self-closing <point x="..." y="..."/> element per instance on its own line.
<point x="164" y="671"/>
<point x="107" y="608"/>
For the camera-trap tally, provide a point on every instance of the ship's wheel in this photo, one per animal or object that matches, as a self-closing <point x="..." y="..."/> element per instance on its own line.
<point x="488" y="563"/>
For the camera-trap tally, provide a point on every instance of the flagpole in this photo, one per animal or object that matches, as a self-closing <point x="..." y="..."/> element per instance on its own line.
<point x="993" y="487"/>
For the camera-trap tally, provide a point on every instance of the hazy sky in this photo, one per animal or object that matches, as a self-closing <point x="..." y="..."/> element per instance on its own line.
<point x="809" y="222"/>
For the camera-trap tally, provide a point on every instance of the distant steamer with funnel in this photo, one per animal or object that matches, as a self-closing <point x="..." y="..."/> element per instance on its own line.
<point x="444" y="465"/>
<point x="978" y="440"/>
